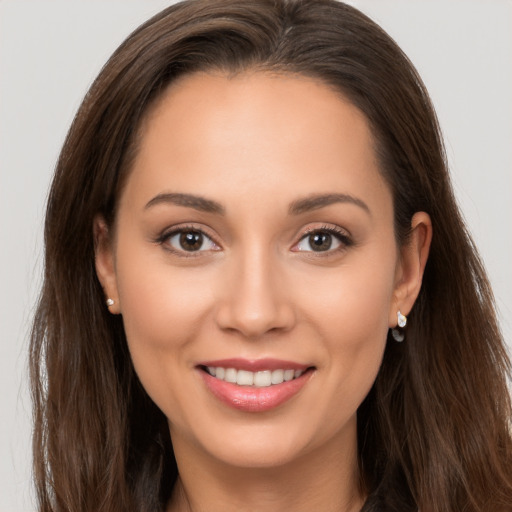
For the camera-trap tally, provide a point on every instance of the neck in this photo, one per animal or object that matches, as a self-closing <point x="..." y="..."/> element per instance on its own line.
<point x="324" y="480"/>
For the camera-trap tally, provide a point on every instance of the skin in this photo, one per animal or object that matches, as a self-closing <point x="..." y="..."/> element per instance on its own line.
<point x="256" y="143"/>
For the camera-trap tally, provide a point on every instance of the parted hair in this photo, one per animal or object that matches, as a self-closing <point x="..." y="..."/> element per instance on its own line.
<point x="434" y="433"/>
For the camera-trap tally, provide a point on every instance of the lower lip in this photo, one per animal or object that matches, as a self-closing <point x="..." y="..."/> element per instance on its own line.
<point x="253" y="399"/>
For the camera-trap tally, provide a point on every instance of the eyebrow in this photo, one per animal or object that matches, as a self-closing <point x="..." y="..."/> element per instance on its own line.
<point x="297" y="207"/>
<point x="318" y="201"/>
<point x="188" y="200"/>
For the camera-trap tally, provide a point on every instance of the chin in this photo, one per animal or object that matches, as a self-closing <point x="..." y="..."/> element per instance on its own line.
<point x="259" y="456"/>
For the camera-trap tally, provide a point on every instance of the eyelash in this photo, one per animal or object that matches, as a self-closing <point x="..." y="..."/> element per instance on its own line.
<point x="164" y="238"/>
<point x="341" y="236"/>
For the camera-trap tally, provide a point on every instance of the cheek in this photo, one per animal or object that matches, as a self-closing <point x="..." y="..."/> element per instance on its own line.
<point x="161" y="315"/>
<point x="350" y="313"/>
<point x="352" y="302"/>
<point x="161" y="310"/>
<point x="158" y="301"/>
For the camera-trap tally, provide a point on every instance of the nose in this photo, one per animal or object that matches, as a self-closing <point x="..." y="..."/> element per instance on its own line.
<point x="255" y="299"/>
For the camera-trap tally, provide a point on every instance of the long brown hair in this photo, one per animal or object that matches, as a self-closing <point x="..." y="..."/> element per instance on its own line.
<point x="434" y="432"/>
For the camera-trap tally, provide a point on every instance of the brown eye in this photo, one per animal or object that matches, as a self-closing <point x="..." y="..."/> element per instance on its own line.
<point x="190" y="240"/>
<point x="323" y="240"/>
<point x="320" y="241"/>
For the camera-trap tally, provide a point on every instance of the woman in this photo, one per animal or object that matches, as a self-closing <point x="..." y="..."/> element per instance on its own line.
<point x="259" y="292"/>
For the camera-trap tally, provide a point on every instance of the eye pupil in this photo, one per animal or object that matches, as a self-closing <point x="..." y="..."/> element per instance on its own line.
<point x="320" y="241"/>
<point x="191" y="240"/>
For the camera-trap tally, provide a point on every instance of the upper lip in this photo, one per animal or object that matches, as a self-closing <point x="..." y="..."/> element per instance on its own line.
<point x="255" y="365"/>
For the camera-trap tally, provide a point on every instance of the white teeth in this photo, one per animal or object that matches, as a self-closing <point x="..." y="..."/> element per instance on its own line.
<point x="289" y="374"/>
<point x="261" y="379"/>
<point x="230" y="375"/>
<point x="277" y="376"/>
<point x="244" y="378"/>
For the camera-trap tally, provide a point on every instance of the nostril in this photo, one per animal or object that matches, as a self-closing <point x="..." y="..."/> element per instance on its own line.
<point x="254" y="320"/>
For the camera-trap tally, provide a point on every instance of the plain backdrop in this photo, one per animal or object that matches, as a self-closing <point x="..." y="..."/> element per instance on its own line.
<point x="50" y="51"/>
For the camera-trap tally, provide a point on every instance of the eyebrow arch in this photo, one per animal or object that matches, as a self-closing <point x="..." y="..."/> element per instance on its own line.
<point x="317" y="201"/>
<point x="187" y="200"/>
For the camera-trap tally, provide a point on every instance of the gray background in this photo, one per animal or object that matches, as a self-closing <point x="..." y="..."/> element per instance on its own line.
<point x="50" y="51"/>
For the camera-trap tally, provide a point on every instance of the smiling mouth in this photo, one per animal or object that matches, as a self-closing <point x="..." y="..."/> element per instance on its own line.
<point x="258" y="379"/>
<point x="254" y="385"/>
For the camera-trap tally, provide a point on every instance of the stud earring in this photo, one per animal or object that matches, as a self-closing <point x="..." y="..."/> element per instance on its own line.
<point x="402" y="319"/>
<point x="398" y="334"/>
<point x="110" y="302"/>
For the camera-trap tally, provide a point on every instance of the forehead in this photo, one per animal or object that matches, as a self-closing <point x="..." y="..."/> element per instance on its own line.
<point x="253" y="132"/>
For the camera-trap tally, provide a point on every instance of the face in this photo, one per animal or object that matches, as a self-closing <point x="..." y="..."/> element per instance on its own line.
<point x="255" y="266"/>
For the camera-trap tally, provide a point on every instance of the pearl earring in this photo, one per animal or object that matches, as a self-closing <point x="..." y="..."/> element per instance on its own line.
<point x="398" y="334"/>
<point x="402" y="319"/>
<point x="110" y="302"/>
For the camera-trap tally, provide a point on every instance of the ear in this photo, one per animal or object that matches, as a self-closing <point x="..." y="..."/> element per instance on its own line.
<point x="411" y="265"/>
<point x="105" y="263"/>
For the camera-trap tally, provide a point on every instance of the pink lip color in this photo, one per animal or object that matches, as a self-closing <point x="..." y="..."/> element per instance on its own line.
<point x="253" y="399"/>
